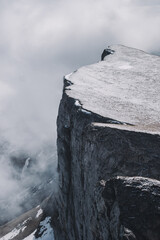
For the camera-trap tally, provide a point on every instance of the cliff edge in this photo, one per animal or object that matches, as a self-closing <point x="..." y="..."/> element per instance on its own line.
<point x="109" y="132"/>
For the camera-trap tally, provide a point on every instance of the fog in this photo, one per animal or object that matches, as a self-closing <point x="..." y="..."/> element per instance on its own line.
<point x="40" y="42"/>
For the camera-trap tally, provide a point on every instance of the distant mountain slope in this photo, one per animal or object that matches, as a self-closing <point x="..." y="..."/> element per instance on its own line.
<point x="34" y="224"/>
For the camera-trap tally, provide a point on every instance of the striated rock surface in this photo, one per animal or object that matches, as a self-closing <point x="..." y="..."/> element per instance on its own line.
<point x="133" y="205"/>
<point x="109" y="126"/>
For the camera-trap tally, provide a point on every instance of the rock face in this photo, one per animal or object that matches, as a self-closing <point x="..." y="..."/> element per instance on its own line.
<point x="133" y="205"/>
<point x="108" y="126"/>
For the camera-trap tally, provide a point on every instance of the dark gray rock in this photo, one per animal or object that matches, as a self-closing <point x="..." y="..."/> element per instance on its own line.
<point x="106" y="52"/>
<point x="108" y="125"/>
<point x="135" y="202"/>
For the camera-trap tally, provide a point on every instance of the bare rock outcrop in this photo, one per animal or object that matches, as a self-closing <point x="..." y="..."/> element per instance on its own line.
<point x="109" y="126"/>
<point x="133" y="207"/>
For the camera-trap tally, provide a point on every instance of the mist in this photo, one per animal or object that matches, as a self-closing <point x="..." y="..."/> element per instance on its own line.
<point x="40" y="42"/>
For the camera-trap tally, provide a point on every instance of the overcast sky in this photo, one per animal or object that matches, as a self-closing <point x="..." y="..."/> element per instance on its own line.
<point x="42" y="40"/>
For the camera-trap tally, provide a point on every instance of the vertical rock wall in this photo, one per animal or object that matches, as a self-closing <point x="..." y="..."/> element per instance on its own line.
<point x="88" y="153"/>
<point x="108" y="166"/>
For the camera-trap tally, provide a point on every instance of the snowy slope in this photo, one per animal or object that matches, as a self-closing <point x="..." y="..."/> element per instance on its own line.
<point x="45" y="232"/>
<point x="30" y="226"/>
<point x="125" y="75"/>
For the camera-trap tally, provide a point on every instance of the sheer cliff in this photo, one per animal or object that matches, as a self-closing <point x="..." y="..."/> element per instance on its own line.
<point x="109" y="149"/>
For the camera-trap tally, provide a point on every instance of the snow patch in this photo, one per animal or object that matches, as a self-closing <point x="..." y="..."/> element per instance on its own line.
<point x="77" y="103"/>
<point x="31" y="236"/>
<point x="20" y="228"/>
<point x="40" y="211"/>
<point x="23" y="228"/>
<point x="45" y="233"/>
<point x="46" y="230"/>
<point x="110" y="51"/>
<point x="11" y="234"/>
<point x="67" y="77"/>
<point x="28" y="219"/>
<point x="85" y="111"/>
